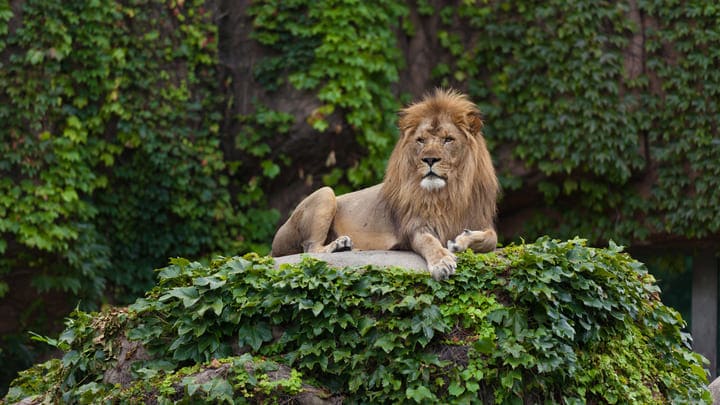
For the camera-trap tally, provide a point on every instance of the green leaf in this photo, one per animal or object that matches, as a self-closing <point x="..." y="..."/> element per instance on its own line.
<point x="270" y="169"/>
<point x="238" y="265"/>
<point x="386" y="342"/>
<point x="189" y="295"/>
<point x="212" y="282"/>
<point x="317" y="308"/>
<point x="472" y="386"/>
<point x="419" y="394"/>
<point x="563" y="329"/>
<point x="456" y="388"/>
<point x="69" y="195"/>
<point x="254" y="335"/>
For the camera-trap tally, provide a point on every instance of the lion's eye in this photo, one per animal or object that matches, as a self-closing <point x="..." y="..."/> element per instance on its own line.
<point x="449" y="139"/>
<point x="421" y="141"/>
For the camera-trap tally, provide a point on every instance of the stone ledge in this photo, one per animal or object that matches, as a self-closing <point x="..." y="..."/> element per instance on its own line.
<point x="357" y="258"/>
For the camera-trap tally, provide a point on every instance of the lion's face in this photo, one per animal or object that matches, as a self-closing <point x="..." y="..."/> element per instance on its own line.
<point x="440" y="174"/>
<point x="434" y="149"/>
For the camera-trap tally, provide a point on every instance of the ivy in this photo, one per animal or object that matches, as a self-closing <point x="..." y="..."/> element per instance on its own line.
<point x="557" y="86"/>
<point x="346" y="52"/>
<point x="110" y="152"/>
<point x="548" y="321"/>
<point x="684" y="135"/>
<point x="554" y="84"/>
<point x="113" y="156"/>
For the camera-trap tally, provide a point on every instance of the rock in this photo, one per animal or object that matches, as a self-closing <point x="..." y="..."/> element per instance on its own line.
<point x="714" y="388"/>
<point x="361" y="258"/>
<point x="121" y="373"/>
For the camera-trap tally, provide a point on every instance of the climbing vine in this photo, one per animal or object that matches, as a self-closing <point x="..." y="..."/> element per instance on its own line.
<point x="346" y="52"/>
<point x="550" y="321"/>
<point x="570" y="92"/>
<point x="111" y="147"/>
<point x="684" y="117"/>
<point x="114" y="156"/>
<point x="622" y="132"/>
<point x="110" y="153"/>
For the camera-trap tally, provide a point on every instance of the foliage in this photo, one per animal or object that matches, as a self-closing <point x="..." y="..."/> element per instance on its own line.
<point x="346" y="52"/>
<point x="579" y="100"/>
<point x="113" y="154"/>
<point x="110" y="153"/>
<point x="550" y="321"/>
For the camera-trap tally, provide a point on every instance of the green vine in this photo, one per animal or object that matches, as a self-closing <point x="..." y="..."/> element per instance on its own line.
<point x="554" y="321"/>
<point x="685" y="115"/>
<point x="347" y="54"/>
<point x="554" y="83"/>
<point x="110" y="153"/>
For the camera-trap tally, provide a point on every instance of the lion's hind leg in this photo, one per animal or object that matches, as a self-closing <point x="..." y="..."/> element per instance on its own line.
<point x="308" y="227"/>
<point x="478" y="241"/>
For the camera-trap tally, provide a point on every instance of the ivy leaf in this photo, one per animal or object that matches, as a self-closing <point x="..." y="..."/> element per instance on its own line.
<point x="419" y="394"/>
<point x="189" y="295"/>
<point x="238" y="265"/>
<point x="456" y="388"/>
<point x="386" y="342"/>
<point x="254" y="335"/>
<point x="217" y="307"/>
<point x="212" y="282"/>
<point x="317" y="308"/>
<point x="563" y="329"/>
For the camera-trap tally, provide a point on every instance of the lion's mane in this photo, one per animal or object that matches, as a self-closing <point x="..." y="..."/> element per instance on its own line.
<point x="470" y="197"/>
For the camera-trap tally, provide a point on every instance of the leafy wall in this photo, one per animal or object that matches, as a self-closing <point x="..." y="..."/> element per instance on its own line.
<point x="110" y="158"/>
<point x="602" y="117"/>
<point x="613" y="104"/>
<point x="125" y="137"/>
<point x="111" y="155"/>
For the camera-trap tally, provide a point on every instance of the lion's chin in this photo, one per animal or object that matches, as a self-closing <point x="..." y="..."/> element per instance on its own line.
<point x="432" y="183"/>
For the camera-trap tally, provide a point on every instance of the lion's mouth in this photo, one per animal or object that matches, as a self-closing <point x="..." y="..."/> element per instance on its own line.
<point x="431" y="174"/>
<point x="432" y="181"/>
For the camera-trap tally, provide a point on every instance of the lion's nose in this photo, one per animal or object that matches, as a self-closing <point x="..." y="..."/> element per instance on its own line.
<point x="431" y="160"/>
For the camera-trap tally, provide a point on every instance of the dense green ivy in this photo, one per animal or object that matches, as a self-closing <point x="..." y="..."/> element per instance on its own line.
<point x="558" y="84"/>
<point x="345" y="51"/>
<point x="111" y="158"/>
<point x="110" y="152"/>
<point x="683" y="53"/>
<point x="111" y="122"/>
<point x="550" y="321"/>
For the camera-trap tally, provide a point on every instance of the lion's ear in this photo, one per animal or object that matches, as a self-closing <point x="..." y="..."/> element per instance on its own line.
<point x="405" y="122"/>
<point x="475" y="122"/>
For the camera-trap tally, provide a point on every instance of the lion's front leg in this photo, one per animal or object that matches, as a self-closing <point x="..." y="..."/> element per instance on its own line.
<point x="478" y="241"/>
<point x="440" y="261"/>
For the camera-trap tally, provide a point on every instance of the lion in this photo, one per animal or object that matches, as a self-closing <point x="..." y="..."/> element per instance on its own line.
<point x="439" y="185"/>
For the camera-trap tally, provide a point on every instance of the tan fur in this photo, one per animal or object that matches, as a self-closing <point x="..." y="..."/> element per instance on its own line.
<point x="412" y="209"/>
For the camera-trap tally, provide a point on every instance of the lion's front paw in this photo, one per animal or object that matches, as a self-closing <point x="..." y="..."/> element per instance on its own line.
<point x="340" y="244"/>
<point x="443" y="268"/>
<point x="453" y="246"/>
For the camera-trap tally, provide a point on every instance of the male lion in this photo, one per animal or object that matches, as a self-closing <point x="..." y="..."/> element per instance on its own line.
<point x="439" y="184"/>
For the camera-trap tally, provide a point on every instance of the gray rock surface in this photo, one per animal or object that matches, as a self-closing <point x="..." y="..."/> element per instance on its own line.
<point x="715" y="391"/>
<point x="359" y="258"/>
